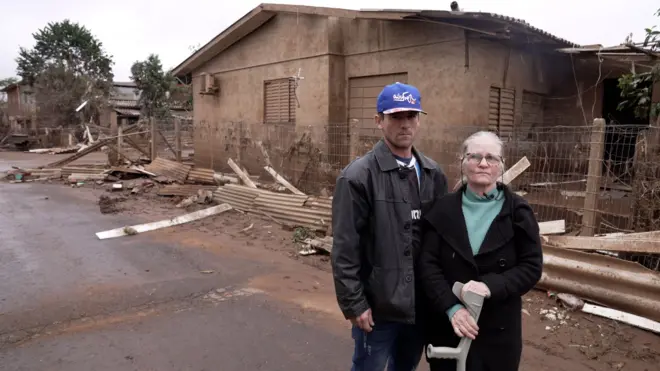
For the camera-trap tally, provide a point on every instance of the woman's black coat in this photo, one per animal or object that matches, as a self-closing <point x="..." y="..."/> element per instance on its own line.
<point x="509" y="262"/>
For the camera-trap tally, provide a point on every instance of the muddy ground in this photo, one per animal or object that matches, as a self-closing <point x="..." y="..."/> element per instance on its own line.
<point x="259" y="264"/>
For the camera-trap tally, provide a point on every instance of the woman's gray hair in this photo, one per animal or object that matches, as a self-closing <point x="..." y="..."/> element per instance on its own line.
<point x="482" y="134"/>
<point x="492" y="137"/>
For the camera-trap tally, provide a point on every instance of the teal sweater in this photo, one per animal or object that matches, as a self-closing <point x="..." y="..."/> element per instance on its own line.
<point x="479" y="213"/>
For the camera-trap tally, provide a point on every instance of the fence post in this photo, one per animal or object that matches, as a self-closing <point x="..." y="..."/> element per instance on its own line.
<point x="354" y="140"/>
<point x="154" y="149"/>
<point x="120" y="139"/>
<point x="597" y="147"/>
<point x="177" y="138"/>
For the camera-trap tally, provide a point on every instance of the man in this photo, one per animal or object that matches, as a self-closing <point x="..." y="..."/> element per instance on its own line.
<point x="377" y="207"/>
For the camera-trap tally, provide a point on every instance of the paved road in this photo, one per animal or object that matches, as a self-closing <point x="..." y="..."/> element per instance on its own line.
<point x="71" y="302"/>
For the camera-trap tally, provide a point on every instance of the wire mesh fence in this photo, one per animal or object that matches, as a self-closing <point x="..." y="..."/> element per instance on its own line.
<point x="619" y="192"/>
<point x="166" y="137"/>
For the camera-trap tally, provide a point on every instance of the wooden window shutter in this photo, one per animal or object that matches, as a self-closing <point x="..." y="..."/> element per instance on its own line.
<point x="501" y="109"/>
<point x="279" y="101"/>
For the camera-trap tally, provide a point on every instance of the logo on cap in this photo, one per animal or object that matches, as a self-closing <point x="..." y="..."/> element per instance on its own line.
<point x="404" y="97"/>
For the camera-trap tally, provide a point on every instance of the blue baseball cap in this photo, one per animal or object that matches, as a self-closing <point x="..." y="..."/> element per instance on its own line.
<point x="399" y="97"/>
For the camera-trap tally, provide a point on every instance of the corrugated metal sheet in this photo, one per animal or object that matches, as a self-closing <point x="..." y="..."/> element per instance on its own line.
<point x="286" y="208"/>
<point x="128" y="112"/>
<point x="322" y="202"/>
<point x="448" y="16"/>
<point x="201" y="176"/>
<point x="241" y="198"/>
<point x="316" y="219"/>
<point x="124" y="103"/>
<point x="609" y="281"/>
<point x="183" y="189"/>
<point x="170" y="169"/>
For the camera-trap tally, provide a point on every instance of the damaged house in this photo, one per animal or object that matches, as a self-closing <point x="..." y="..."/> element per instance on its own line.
<point x="302" y="81"/>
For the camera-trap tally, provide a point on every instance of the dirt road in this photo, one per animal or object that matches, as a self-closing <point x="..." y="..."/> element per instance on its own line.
<point x="228" y="292"/>
<point x="71" y="302"/>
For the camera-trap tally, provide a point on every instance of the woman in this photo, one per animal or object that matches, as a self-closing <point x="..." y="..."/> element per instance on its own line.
<point x="486" y="236"/>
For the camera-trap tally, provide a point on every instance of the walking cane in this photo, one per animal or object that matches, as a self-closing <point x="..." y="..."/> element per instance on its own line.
<point x="473" y="303"/>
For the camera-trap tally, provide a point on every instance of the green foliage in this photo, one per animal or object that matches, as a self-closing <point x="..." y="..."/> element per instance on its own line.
<point x="65" y="44"/>
<point x="66" y="66"/>
<point x="636" y="88"/>
<point x="157" y="87"/>
<point x="7" y="81"/>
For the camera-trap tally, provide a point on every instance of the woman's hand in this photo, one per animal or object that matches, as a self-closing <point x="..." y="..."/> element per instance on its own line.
<point x="476" y="287"/>
<point x="464" y="324"/>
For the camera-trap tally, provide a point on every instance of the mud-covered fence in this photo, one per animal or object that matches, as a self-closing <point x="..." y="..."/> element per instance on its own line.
<point x="168" y="132"/>
<point x="598" y="178"/>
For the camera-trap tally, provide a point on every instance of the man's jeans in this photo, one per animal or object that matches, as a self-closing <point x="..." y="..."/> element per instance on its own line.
<point x="397" y="345"/>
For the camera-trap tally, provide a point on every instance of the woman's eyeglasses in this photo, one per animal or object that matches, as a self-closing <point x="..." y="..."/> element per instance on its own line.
<point x="476" y="158"/>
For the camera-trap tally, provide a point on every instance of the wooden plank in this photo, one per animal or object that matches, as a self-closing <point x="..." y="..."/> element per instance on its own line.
<point x="246" y="180"/>
<point x="181" y="219"/>
<point x="515" y="170"/>
<point x="628" y="318"/>
<point x="552" y="227"/>
<point x="283" y="181"/>
<point x="590" y="211"/>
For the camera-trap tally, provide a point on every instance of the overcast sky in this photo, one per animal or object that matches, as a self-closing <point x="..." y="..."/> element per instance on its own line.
<point x="132" y="29"/>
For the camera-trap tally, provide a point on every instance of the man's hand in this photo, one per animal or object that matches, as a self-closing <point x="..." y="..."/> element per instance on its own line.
<point x="464" y="324"/>
<point x="364" y="321"/>
<point x="476" y="287"/>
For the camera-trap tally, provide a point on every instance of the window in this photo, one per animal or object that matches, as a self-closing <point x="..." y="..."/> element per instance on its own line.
<point x="279" y="101"/>
<point x="501" y="111"/>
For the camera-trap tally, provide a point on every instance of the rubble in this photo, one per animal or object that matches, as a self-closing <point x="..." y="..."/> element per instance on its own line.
<point x="108" y="204"/>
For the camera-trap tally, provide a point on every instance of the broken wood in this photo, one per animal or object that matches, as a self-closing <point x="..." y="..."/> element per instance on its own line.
<point x="280" y="179"/>
<point x="264" y="153"/>
<point x="638" y="245"/>
<point x="246" y="180"/>
<point x="515" y="170"/>
<point x="181" y="219"/>
<point x="223" y="179"/>
<point x="628" y="318"/>
<point x="93" y="148"/>
<point x="74" y="178"/>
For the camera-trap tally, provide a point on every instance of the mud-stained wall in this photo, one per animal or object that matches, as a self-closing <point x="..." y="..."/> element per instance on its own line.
<point x="282" y="47"/>
<point x="453" y="70"/>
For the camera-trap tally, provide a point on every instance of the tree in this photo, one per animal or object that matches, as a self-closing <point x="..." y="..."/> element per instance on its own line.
<point x="159" y="91"/>
<point x="636" y="88"/>
<point x="66" y="66"/>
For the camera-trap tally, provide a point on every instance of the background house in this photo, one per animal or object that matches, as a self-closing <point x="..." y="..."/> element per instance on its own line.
<point x="21" y="107"/>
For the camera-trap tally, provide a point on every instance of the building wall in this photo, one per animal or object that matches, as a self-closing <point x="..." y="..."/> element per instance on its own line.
<point x="455" y="88"/>
<point x="453" y="71"/>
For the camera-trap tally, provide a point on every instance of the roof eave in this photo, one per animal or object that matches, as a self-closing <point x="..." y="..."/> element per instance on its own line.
<point x="241" y="28"/>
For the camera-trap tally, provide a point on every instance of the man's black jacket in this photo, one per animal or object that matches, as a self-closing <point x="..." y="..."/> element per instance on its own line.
<point x="372" y="252"/>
